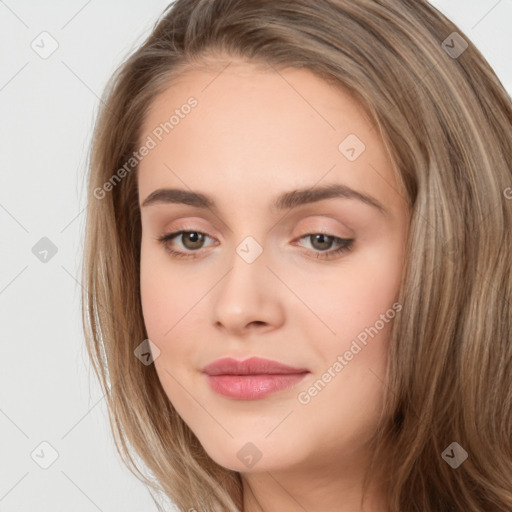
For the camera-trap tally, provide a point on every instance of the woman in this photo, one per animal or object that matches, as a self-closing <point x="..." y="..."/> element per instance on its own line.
<point x="250" y="366"/>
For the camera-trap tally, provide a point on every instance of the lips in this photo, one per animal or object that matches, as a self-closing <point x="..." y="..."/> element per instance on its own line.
<point x="251" y="366"/>
<point x="251" y="379"/>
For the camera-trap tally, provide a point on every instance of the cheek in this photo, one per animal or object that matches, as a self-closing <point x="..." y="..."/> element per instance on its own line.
<point x="164" y="304"/>
<point x="358" y="306"/>
<point x="163" y="291"/>
<point x="354" y="297"/>
<point x="173" y="316"/>
<point x="153" y="299"/>
<point x="169" y="315"/>
<point x="160" y="297"/>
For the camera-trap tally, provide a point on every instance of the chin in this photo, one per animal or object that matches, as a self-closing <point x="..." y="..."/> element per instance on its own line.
<point x="253" y="456"/>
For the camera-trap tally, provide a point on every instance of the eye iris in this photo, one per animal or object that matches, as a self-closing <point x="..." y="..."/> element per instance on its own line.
<point x="322" y="238"/>
<point x="197" y="239"/>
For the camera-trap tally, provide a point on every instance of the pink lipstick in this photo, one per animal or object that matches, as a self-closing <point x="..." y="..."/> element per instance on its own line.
<point x="252" y="378"/>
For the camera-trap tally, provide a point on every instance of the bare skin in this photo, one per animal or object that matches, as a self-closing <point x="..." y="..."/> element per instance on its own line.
<point x="254" y="135"/>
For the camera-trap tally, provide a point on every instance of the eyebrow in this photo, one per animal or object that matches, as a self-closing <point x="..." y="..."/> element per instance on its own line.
<point x="287" y="200"/>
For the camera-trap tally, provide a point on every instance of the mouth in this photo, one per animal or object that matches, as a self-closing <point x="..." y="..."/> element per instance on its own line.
<point x="252" y="387"/>
<point x="251" y="379"/>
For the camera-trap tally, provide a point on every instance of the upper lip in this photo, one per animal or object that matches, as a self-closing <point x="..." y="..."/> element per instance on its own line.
<point x="251" y="366"/>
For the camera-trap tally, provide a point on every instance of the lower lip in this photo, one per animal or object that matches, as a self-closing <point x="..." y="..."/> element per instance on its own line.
<point x="252" y="387"/>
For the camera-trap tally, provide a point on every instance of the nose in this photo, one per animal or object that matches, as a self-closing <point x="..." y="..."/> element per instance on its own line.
<point x="248" y="297"/>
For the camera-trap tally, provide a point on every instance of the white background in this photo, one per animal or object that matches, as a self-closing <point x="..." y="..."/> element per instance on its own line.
<point x="47" y="389"/>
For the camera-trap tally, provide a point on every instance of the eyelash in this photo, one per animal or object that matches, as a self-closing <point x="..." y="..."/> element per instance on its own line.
<point x="346" y="245"/>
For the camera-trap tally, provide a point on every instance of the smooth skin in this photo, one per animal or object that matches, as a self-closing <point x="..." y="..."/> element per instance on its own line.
<point x="254" y="135"/>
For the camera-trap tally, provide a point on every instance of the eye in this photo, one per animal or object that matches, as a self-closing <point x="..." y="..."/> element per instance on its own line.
<point x="193" y="241"/>
<point x="322" y="242"/>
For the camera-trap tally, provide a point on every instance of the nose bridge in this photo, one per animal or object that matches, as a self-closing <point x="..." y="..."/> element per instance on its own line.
<point x="244" y="295"/>
<point x="247" y="269"/>
<point x="249" y="249"/>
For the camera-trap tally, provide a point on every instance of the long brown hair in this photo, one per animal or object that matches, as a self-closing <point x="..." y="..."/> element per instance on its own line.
<point x="447" y="122"/>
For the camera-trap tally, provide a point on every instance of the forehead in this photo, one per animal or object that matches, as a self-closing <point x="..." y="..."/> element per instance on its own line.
<point x="260" y="96"/>
<point x="268" y="129"/>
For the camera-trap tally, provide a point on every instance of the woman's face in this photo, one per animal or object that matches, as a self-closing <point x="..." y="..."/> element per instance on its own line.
<point x="266" y="269"/>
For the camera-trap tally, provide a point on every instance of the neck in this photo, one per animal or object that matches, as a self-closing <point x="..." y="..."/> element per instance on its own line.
<point x="320" y="488"/>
